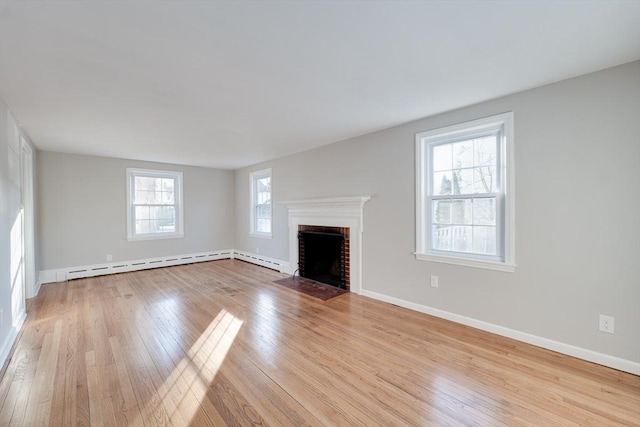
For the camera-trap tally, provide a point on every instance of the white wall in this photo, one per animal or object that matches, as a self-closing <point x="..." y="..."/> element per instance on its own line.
<point x="12" y="297"/>
<point x="82" y="205"/>
<point x="577" y="165"/>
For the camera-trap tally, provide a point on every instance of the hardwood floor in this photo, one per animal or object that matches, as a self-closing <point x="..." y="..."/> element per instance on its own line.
<point x="216" y="343"/>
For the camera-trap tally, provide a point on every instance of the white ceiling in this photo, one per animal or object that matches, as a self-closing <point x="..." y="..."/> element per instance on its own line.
<point x="229" y="84"/>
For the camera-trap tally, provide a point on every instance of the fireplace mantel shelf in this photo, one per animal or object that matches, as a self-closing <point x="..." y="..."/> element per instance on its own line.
<point x="310" y="204"/>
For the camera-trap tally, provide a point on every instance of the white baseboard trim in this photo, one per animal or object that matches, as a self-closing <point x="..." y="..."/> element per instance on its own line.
<point x="568" y="349"/>
<point x="62" y="274"/>
<point x="5" y="348"/>
<point x="275" y="264"/>
<point x="38" y="284"/>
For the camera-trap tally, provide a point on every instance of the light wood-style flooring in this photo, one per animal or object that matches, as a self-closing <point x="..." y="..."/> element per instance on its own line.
<point x="216" y="343"/>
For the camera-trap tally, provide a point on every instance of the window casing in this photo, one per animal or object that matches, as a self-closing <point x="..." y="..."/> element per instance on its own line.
<point x="261" y="206"/>
<point x="464" y="194"/>
<point x="154" y="204"/>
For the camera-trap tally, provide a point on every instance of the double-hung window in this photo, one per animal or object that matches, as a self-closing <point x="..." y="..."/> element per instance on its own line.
<point x="154" y="204"/>
<point x="465" y="200"/>
<point x="261" y="203"/>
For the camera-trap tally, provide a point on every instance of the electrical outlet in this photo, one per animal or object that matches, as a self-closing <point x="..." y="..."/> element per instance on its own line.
<point x="607" y="324"/>
<point x="434" y="281"/>
<point x="109" y="257"/>
<point x="257" y="250"/>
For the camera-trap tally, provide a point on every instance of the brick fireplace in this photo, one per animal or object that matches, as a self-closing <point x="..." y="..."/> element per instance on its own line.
<point x="323" y="254"/>
<point x="337" y="215"/>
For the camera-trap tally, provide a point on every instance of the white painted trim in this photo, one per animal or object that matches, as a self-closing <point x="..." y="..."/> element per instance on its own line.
<point x="274" y="264"/>
<point x="156" y="236"/>
<point x="38" y="284"/>
<point x="560" y="347"/>
<point x="348" y="203"/>
<point x="261" y="236"/>
<point x="28" y="219"/>
<point x="468" y="262"/>
<point x="6" y="346"/>
<point x="330" y="212"/>
<point x="62" y="274"/>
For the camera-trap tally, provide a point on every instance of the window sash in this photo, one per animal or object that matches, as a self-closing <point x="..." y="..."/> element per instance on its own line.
<point x="499" y="221"/>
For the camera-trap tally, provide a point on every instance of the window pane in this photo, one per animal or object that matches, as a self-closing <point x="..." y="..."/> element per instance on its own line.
<point x="143" y="183"/>
<point x="156" y="212"/>
<point x="461" y="211"/>
<point x="484" y="211"/>
<point x="264" y="197"/>
<point x="157" y="197"/>
<point x="167" y="198"/>
<point x="167" y="224"/>
<point x="167" y="184"/>
<point x="442" y="237"/>
<point x="461" y="238"/>
<point x="142" y="212"/>
<point x="484" y="180"/>
<point x="463" y="181"/>
<point x="484" y="240"/>
<point x="463" y="154"/>
<point x="441" y="211"/>
<point x="263" y="211"/>
<point x="264" y="184"/>
<point x="442" y="157"/>
<point x="154" y="226"/>
<point x="263" y="226"/>
<point x="142" y="226"/>
<point x="484" y="151"/>
<point x="442" y="183"/>
<point x="142" y="197"/>
<point x="147" y="197"/>
<point x="169" y="213"/>
<point x="165" y="219"/>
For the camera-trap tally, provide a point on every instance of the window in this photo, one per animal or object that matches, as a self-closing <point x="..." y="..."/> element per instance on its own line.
<point x="154" y="200"/>
<point x="261" y="203"/>
<point x="465" y="200"/>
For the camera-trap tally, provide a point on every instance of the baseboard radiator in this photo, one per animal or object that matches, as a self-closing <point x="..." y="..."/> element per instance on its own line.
<point x="63" y="274"/>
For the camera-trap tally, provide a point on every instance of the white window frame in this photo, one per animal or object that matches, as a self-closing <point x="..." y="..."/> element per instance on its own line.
<point x="132" y="173"/>
<point x="505" y="200"/>
<point x="254" y="177"/>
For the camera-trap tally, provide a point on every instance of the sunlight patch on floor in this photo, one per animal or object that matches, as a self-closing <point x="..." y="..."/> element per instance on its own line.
<point x="185" y="389"/>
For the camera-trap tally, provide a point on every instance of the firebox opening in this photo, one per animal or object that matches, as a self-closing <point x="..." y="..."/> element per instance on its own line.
<point x="322" y="257"/>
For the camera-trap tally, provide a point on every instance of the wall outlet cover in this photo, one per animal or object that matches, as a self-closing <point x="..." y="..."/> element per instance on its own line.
<point x="434" y="281"/>
<point x="606" y="324"/>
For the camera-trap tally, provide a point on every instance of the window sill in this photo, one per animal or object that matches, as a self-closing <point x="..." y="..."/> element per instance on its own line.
<point x="261" y="236"/>
<point x="467" y="262"/>
<point x="155" y="237"/>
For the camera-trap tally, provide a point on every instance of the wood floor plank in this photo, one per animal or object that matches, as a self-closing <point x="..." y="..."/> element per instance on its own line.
<point x="217" y="343"/>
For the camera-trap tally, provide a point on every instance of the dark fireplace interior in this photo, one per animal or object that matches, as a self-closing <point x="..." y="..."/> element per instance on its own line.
<point x="322" y="256"/>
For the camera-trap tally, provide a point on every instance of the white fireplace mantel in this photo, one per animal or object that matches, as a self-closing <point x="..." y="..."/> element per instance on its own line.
<point x="330" y="212"/>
